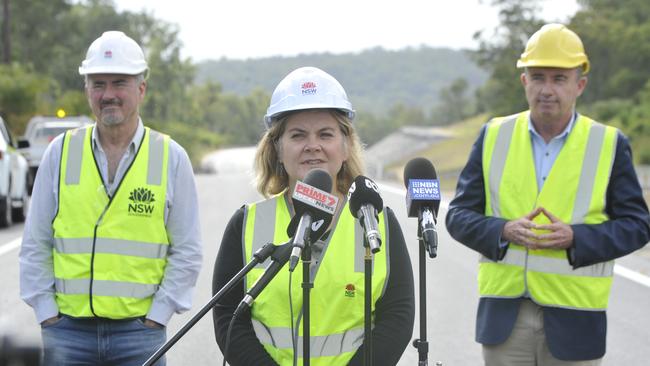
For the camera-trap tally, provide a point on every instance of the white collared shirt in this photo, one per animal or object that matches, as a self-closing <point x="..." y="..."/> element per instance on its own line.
<point x="181" y="220"/>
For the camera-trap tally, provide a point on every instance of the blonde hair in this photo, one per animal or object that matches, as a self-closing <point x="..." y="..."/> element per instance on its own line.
<point x="270" y="176"/>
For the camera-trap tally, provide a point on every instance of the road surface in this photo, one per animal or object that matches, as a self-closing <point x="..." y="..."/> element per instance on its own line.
<point x="451" y="291"/>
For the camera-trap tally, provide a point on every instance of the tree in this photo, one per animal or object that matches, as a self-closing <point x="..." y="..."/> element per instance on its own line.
<point x="20" y="94"/>
<point x="499" y="52"/>
<point x="616" y="36"/>
<point x="6" y="32"/>
<point x="38" y="34"/>
<point x="454" y="104"/>
<point x="49" y="39"/>
<point x="372" y="128"/>
<point x="170" y="76"/>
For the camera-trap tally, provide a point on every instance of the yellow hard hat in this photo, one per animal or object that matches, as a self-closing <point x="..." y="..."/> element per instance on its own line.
<point x="554" y="45"/>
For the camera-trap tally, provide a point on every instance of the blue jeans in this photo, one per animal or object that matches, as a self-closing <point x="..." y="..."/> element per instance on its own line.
<point x="93" y="341"/>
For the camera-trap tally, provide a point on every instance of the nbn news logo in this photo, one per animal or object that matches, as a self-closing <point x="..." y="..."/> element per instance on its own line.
<point x="424" y="189"/>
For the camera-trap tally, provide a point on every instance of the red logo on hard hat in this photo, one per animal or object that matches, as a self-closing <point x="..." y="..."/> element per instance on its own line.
<point x="308" y="87"/>
<point x="108" y="54"/>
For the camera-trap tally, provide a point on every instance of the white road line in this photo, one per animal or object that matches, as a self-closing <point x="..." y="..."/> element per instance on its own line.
<point x="4" y="249"/>
<point x="631" y="275"/>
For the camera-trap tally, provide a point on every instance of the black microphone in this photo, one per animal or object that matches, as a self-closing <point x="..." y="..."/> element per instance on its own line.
<point x="365" y="205"/>
<point x="279" y="257"/>
<point x="423" y="199"/>
<point x="315" y="207"/>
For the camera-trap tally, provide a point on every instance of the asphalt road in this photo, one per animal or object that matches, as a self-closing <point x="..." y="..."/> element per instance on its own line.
<point x="451" y="285"/>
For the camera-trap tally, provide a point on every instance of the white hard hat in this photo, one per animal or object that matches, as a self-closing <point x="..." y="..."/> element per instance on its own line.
<point x="307" y="88"/>
<point x="114" y="53"/>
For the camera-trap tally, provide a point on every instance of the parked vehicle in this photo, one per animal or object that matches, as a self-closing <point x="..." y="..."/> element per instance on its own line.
<point x="40" y="131"/>
<point x="14" y="179"/>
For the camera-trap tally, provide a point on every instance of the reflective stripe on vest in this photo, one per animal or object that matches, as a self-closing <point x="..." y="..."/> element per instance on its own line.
<point x="112" y="246"/>
<point x="574" y="191"/>
<point x="319" y="346"/>
<point x="157" y="153"/>
<point x="110" y="252"/>
<point x="105" y="288"/>
<point x="338" y="293"/>
<point x="265" y="231"/>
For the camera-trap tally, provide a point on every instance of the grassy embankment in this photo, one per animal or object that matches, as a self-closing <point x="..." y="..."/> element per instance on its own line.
<point x="448" y="156"/>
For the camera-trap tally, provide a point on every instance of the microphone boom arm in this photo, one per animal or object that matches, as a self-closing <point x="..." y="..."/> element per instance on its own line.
<point x="301" y="238"/>
<point x="279" y="258"/>
<point x="258" y="257"/>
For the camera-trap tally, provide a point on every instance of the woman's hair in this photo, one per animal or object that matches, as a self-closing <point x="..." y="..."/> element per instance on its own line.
<point x="271" y="177"/>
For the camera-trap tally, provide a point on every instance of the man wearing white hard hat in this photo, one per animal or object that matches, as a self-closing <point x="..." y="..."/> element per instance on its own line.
<point x="111" y="248"/>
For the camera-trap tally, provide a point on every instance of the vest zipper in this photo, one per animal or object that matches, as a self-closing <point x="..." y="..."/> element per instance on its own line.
<point x="92" y="257"/>
<point x="101" y="216"/>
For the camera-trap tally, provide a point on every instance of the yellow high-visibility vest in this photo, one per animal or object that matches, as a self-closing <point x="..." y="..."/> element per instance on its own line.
<point x="574" y="191"/>
<point x="110" y="253"/>
<point x="337" y="298"/>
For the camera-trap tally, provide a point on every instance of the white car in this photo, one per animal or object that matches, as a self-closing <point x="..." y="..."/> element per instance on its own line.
<point x="40" y="132"/>
<point x="14" y="180"/>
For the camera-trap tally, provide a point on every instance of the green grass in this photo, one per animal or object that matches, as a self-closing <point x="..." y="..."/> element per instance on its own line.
<point x="450" y="156"/>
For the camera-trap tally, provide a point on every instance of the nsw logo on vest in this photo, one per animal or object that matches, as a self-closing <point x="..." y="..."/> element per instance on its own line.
<point x="350" y="290"/>
<point x="141" y="202"/>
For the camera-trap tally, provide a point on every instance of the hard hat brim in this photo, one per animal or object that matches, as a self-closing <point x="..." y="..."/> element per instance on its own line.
<point x="559" y="65"/>
<point x="110" y="70"/>
<point x="270" y="118"/>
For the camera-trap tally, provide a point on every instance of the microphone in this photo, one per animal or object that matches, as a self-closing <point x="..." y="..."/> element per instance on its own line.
<point x="365" y="204"/>
<point x="423" y="199"/>
<point x="279" y="257"/>
<point x="314" y="207"/>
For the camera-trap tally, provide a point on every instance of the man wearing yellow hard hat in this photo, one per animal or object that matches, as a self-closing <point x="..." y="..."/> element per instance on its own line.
<point x="549" y="198"/>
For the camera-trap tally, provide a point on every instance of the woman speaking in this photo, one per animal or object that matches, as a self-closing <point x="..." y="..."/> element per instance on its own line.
<point x="308" y="126"/>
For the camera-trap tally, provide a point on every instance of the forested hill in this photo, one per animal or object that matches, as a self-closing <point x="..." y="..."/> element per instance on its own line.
<point x="375" y="79"/>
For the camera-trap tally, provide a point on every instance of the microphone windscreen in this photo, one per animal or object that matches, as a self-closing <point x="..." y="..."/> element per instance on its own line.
<point x="422" y="186"/>
<point x="319" y="178"/>
<point x="364" y="191"/>
<point x="419" y="168"/>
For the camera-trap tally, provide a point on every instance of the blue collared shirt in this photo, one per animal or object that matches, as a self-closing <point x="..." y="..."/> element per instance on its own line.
<point x="545" y="154"/>
<point x="181" y="221"/>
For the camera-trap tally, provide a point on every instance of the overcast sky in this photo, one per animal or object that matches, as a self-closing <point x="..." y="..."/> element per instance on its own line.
<point x="252" y="29"/>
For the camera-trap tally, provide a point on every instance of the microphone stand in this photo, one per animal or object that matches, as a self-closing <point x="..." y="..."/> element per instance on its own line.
<point x="307" y="285"/>
<point x="421" y="343"/>
<point x="258" y="257"/>
<point x="367" y="306"/>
